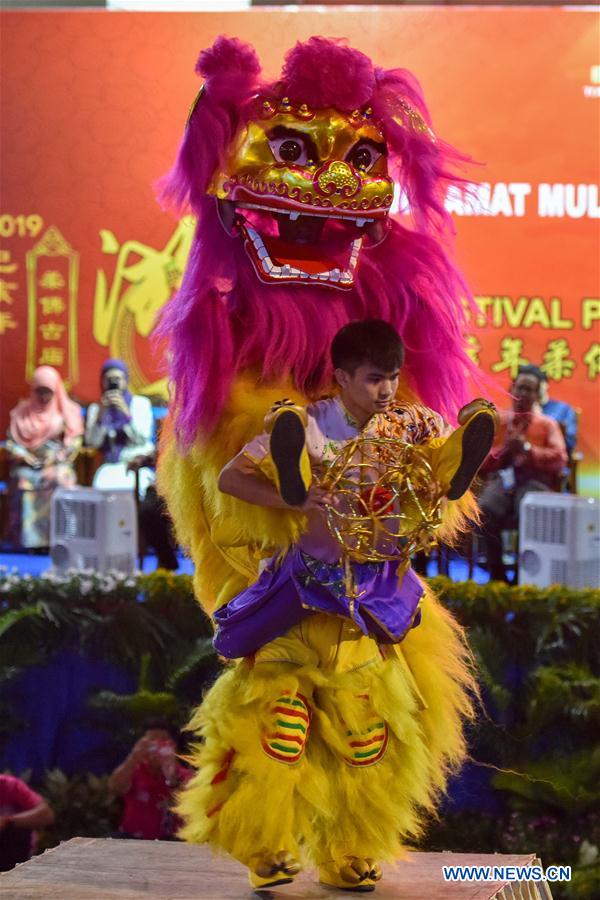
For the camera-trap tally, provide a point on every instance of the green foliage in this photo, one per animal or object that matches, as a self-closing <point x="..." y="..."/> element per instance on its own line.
<point x="83" y="807"/>
<point x="532" y="624"/>
<point x="139" y="706"/>
<point x="537" y="652"/>
<point x="111" y="616"/>
<point x="540" y="671"/>
<point x="491" y="662"/>
<point x="568" y="784"/>
<point x="10" y="618"/>
<point x="144" y="704"/>
<point x="564" y="695"/>
<point x="198" y="668"/>
<point x="584" y="884"/>
<point x="149" y="623"/>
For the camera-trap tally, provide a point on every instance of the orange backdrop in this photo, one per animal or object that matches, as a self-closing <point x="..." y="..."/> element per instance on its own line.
<point x="94" y="105"/>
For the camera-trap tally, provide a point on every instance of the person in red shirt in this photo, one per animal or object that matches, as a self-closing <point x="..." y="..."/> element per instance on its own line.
<point x="21" y="811"/>
<point x="529" y="454"/>
<point x="147" y="780"/>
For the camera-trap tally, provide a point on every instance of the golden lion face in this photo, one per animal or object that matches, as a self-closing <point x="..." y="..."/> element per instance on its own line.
<point x="304" y="167"/>
<point x="317" y="162"/>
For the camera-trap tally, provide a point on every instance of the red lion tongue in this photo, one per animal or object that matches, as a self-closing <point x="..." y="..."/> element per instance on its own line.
<point x="301" y="256"/>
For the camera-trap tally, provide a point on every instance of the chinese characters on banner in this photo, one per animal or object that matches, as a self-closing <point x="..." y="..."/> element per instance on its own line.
<point x="52" y="282"/>
<point x="130" y="293"/>
<point x="561" y="358"/>
<point x="85" y="276"/>
<point x="8" y="285"/>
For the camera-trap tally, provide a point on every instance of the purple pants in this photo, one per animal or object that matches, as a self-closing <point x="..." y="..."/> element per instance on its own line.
<point x="297" y="586"/>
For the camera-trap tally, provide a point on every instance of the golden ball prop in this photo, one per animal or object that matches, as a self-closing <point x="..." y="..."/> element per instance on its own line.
<point x="387" y="503"/>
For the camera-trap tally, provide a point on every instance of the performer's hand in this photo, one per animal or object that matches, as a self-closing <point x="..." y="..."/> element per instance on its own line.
<point x="318" y="498"/>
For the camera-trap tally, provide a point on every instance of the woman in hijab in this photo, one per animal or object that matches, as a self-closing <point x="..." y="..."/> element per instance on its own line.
<point x="120" y="426"/>
<point x="44" y="437"/>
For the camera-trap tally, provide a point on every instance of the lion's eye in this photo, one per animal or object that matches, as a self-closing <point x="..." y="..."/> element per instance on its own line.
<point x="289" y="149"/>
<point x="363" y="156"/>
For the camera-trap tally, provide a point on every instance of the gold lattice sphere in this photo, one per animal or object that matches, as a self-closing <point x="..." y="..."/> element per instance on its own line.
<point x="388" y="504"/>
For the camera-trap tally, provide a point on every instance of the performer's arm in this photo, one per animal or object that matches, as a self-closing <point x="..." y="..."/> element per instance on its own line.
<point x="243" y="480"/>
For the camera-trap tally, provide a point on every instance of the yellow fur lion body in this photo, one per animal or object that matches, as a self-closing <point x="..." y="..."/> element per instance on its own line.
<point x="423" y="687"/>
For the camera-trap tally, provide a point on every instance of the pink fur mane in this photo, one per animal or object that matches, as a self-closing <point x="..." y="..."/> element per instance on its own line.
<point x="224" y="320"/>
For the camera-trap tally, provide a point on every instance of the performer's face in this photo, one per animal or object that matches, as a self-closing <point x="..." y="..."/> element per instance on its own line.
<point x="367" y="390"/>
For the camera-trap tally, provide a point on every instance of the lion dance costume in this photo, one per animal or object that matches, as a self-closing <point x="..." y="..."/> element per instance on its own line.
<point x="335" y="752"/>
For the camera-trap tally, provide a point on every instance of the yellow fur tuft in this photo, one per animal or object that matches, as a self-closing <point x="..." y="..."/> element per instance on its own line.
<point x="224" y="536"/>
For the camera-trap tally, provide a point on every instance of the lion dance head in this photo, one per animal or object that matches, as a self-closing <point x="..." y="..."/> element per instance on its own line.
<point x="292" y="182"/>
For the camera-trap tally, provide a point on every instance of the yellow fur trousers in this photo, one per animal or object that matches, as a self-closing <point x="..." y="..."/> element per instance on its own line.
<point x="326" y="744"/>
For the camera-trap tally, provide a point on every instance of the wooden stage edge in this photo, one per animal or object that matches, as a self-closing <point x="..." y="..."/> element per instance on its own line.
<point x="94" y="868"/>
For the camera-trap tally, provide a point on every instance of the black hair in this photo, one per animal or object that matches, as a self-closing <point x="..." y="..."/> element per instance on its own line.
<point x="367" y="341"/>
<point x="155" y="723"/>
<point x="530" y="369"/>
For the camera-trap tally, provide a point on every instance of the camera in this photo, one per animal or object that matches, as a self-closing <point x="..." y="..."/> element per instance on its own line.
<point x="113" y="384"/>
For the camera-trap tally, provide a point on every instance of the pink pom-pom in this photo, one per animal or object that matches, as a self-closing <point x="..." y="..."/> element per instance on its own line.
<point x="228" y="58"/>
<point x="323" y="72"/>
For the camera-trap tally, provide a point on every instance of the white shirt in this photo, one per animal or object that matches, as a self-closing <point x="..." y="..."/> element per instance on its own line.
<point x="139" y="430"/>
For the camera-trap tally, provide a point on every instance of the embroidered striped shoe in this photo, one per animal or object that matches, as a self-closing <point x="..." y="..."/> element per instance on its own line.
<point x="351" y="874"/>
<point x="271" y="869"/>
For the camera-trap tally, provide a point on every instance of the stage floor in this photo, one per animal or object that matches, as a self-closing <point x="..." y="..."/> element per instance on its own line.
<point x="104" y="869"/>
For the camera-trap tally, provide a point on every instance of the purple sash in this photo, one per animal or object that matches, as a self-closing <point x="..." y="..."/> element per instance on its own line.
<point x="299" y="585"/>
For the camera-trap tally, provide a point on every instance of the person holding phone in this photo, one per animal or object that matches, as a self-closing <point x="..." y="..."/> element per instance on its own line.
<point x="147" y="779"/>
<point x="121" y="427"/>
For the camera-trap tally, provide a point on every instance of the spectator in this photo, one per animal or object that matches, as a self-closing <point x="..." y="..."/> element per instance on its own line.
<point x="564" y="414"/>
<point x="43" y="439"/>
<point x="121" y="427"/>
<point x="147" y="780"/>
<point x="21" y="811"/>
<point x="154" y="522"/>
<point x="529" y="454"/>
